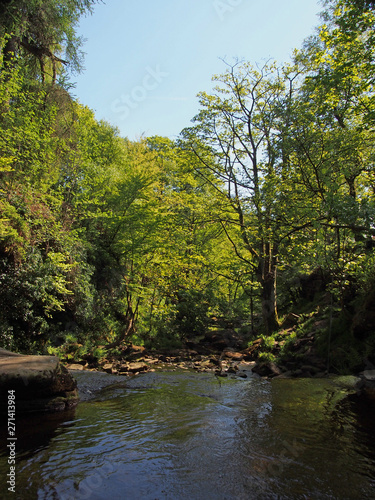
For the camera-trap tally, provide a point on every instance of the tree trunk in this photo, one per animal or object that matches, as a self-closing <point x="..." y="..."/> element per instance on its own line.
<point x="269" y="304"/>
<point x="266" y="275"/>
<point x="128" y="322"/>
<point x="9" y="52"/>
<point x="127" y="329"/>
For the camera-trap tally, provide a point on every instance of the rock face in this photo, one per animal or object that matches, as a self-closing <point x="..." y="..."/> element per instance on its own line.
<point x="40" y="383"/>
<point x="364" y="321"/>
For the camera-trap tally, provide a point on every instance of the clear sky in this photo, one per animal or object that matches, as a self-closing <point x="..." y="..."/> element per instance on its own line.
<point x="146" y="60"/>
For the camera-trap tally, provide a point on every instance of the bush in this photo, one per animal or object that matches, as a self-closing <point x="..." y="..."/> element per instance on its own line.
<point x="266" y="357"/>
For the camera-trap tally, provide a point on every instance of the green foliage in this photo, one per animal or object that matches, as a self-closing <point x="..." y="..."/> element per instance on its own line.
<point x="98" y="353"/>
<point x="345" y="354"/>
<point x="266" y="357"/>
<point x="104" y="240"/>
<point x="40" y="36"/>
<point x="32" y="294"/>
<point x="54" y="351"/>
<point x="267" y="342"/>
<point x="287" y="349"/>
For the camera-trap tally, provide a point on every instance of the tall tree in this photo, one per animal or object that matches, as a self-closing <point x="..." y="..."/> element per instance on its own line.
<point x="239" y="137"/>
<point x="332" y="129"/>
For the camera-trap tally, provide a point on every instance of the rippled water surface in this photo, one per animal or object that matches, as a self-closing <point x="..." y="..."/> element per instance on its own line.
<point x="191" y="436"/>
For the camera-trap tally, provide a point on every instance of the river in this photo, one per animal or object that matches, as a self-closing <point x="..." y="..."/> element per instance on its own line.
<point x="188" y="436"/>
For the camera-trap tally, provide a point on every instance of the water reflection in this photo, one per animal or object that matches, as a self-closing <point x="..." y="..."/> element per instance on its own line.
<point x="187" y="436"/>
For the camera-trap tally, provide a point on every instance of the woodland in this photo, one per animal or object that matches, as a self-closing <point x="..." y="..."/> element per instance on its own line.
<point x="262" y="211"/>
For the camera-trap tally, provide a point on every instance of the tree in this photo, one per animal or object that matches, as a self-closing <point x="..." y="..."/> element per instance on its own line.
<point x="239" y="139"/>
<point x="42" y="35"/>
<point x="339" y="63"/>
<point x="158" y="238"/>
<point x="186" y="260"/>
<point x="331" y="133"/>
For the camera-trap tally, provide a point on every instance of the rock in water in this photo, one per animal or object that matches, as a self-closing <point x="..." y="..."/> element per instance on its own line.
<point x="267" y="369"/>
<point x="41" y="383"/>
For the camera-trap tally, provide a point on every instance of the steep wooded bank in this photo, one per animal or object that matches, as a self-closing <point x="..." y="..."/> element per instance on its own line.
<point x="263" y="207"/>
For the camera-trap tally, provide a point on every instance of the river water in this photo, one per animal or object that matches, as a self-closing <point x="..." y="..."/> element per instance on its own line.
<point x="182" y="435"/>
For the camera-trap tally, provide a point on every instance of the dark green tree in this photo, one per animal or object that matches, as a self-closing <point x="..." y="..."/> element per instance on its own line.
<point x="41" y="35"/>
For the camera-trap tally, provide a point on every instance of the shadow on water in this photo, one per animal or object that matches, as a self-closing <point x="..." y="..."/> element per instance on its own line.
<point x="186" y="436"/>
<point x="360" y="411"/>
<point x="35" y="431"/>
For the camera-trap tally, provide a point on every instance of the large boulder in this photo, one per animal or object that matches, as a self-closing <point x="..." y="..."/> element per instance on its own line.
<point x="40" y="383"/>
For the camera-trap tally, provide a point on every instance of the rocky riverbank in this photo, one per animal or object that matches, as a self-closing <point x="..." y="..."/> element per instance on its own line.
<point x="135" y="360"/>
<point x="219" y="352"/>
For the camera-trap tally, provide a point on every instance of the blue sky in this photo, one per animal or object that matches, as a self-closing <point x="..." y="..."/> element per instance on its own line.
<point x="146" y="60"/>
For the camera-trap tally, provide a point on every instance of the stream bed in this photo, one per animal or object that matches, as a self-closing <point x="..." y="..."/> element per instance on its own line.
<point x="190" y="436"/>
